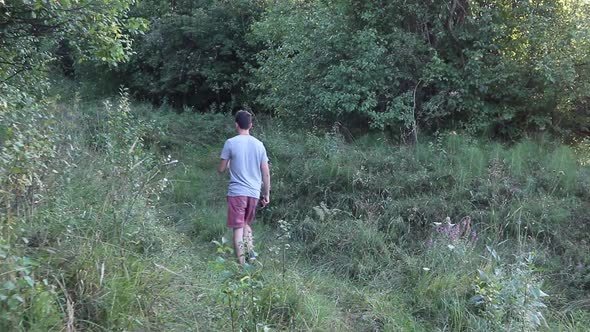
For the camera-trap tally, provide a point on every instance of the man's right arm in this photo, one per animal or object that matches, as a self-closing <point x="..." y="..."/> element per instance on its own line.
<point x="223" y="166"/>
<point x="266" y="182"/>
<point x="225" y="158"/>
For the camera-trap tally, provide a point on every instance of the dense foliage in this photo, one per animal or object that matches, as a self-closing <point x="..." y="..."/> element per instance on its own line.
<point x="32" y="32"/>
<point x="499" y="67"/>
<point x="39" y="146"/>
<point x="195" y="54"/>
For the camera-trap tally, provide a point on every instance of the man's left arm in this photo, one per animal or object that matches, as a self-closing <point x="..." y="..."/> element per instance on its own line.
<point x="265" y="170"/>
<point x="266" y="182"/>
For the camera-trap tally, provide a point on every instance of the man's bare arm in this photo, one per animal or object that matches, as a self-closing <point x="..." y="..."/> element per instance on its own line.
<point x="223" y="165"/>
<point x="266" y="182"/>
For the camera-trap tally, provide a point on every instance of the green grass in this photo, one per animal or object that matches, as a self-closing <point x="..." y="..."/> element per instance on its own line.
<point x="381" y="201"/>
<point x="362" y="253"/>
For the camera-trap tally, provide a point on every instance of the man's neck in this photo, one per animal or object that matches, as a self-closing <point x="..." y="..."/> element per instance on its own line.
<point x="243" y="131"/>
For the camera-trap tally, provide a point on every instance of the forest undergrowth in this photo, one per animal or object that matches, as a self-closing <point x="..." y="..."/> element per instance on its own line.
<point x="113" y="218"/>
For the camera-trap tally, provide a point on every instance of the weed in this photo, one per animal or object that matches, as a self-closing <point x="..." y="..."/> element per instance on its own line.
<point x="241" y="289"/>
<point x="510" y="295"/>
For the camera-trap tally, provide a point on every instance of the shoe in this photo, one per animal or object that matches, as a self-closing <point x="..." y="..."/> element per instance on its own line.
<point x="251" y="257"/>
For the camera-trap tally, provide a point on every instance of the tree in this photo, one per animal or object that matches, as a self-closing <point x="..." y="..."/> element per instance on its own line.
<point x="490" y="66"/>
<point x="195" y="54"/>
<point x="31" y="30"/>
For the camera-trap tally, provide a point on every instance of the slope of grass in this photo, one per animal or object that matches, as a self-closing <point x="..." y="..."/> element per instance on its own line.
<point x="121" y="232"/>
<point x="361" y="215"/>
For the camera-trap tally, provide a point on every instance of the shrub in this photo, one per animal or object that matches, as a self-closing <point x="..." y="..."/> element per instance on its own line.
<point x="509" y="295"/>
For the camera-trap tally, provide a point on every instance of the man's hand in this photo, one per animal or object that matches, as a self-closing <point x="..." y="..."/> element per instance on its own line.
<point x="265" y="200"/>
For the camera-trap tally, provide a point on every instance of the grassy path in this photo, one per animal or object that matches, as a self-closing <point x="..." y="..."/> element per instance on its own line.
<point x="189" y="208"/>
<point x="313" y="299"/>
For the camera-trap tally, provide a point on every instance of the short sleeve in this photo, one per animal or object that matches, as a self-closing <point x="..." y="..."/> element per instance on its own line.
<point x="226" y="153"/>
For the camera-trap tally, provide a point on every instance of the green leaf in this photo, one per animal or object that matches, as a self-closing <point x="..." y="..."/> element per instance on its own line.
<point x="29" y="262"/>
<point x="13" y="303"/>
<point x="9" y="285"/>
<point x="18" y="298"/>
<point x="483" y="276"/>
<point x="29" y="281"/>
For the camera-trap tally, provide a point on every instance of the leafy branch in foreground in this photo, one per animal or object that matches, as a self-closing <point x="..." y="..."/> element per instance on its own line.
<point x="510" y="295"/>
<point x="241" y="290"/>
<point x="91" y="30"/>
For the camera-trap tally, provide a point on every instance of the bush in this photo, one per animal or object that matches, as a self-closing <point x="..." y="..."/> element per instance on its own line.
<point x="510" y="296"/>
<point x="76" y="234"/>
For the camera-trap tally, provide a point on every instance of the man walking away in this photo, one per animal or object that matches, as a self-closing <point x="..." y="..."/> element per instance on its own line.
<point x="246" y="159"/>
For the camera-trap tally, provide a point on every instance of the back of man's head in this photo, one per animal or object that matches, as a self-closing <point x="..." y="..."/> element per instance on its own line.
<point x="244" y="119"/>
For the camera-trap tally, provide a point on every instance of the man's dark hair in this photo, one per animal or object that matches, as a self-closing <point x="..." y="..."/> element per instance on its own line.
<point x="243" y="119"/>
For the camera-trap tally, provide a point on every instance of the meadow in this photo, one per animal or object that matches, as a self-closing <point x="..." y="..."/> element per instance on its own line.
<point x="430" y="165"/>
<point x="124" y="229"/>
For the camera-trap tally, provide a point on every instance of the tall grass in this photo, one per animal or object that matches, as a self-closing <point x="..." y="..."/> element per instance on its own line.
<point x="92" y="224"/>
<point x="363" y="214"/>
<point x="525" y="197"/>
<point x="120" y="239"/>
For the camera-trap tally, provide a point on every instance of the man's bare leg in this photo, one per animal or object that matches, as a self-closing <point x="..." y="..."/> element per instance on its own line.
<point x="248" y="238"/>
<point x="239" y="244"/>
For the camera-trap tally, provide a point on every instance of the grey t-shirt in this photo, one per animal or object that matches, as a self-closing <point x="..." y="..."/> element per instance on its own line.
<point x="245" y="154"/>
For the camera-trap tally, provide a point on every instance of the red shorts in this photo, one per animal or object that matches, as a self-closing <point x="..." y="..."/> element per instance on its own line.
<point x="241" y="211"/>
